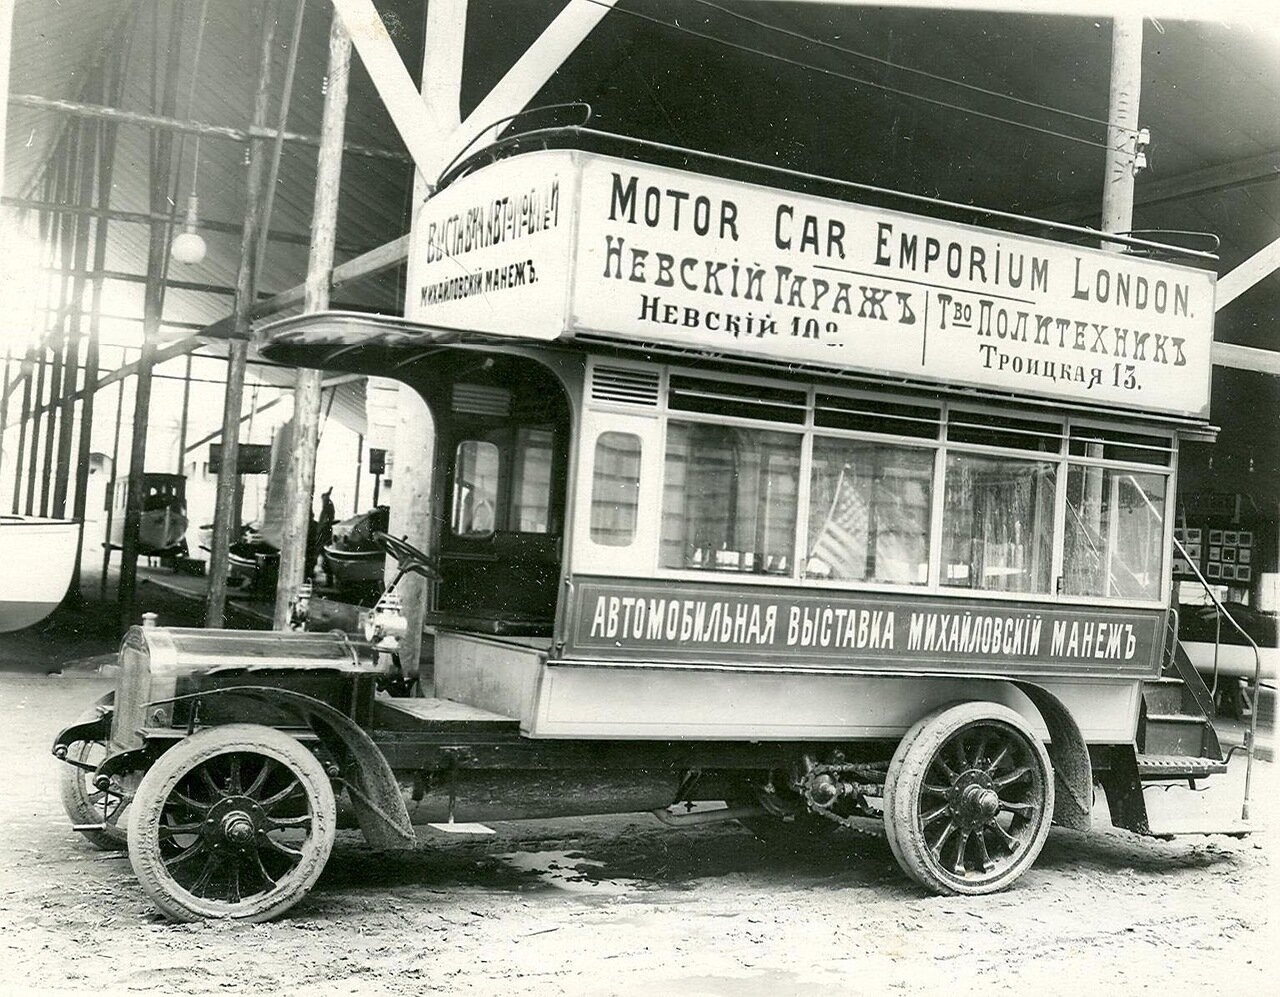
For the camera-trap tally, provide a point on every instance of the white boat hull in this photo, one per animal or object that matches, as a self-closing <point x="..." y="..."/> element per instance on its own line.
<point x="38" y="557"/>
<point x="1234" y="660"/>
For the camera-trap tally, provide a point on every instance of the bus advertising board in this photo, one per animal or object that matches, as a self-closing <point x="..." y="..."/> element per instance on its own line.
<point x="563" y="244"/>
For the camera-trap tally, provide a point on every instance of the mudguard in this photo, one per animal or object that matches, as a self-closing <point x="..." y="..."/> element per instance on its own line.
<point x="1072" y="770"/>
<point x="372" y="786"/>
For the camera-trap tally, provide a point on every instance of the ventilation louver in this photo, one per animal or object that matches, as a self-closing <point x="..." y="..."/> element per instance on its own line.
<point x="481" y="399"/>
<point x="625" y="386"/>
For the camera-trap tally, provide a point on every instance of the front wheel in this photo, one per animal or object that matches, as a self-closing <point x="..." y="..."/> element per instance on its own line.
<point x="98" y="814"/>
<point x="234" y="822"/>
<point x="969" y="799"/>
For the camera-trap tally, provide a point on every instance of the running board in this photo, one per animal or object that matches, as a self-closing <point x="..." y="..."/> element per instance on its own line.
<point x="461" y="827"/>
<point x="708" y="816"/>
<point x="1234" y="829"/>
<point x="1158" y="767"/>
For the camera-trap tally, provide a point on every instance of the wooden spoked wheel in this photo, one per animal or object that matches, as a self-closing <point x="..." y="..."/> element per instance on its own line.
<point x="98" y="814"/>
<point x="968" y="799"/>
<point x="233" y="822"/>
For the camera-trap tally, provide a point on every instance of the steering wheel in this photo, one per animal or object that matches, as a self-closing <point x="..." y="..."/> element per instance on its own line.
<point x="409" y="557"/>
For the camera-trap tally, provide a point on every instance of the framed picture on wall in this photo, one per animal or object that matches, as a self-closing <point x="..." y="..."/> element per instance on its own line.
<point x="1246" y="555"/>
<point x="1244" y="572"/>
<point x="1229" y="571"/>
<point x="1231" y="538"/>
<point x="1215" y="553"/>
<point x="1193" y="536"/>
<point x="1246" y="539"/>
<point x="1193" y="551"/>
<point x="1215" y="536"/>
<point x="1214" y="571"/>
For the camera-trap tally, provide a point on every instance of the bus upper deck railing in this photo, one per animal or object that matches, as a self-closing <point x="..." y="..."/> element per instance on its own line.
<point x="541" y="138"/>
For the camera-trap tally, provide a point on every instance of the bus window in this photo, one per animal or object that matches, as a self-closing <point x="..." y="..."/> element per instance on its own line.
<point x="615" y="489"/>
<point x="531" y="485"/>
<point x="997" y="523"/>
<point x="475" y="488"/>
<point x="729" y="498"/>
<point x="869" y="510"/>
<point x="1114" y="533"/>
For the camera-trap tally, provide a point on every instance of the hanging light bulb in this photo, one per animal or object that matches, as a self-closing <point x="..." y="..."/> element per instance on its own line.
<point x="188" y="246"/>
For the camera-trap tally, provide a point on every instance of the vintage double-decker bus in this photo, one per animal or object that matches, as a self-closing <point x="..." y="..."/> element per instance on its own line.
<point x="831" y="512"/>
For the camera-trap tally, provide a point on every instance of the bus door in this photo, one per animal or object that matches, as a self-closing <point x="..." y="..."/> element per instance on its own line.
<point x="505" y="447"/>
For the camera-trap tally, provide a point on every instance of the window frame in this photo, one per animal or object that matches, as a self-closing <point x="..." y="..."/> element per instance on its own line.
<point x="643" y="557"/>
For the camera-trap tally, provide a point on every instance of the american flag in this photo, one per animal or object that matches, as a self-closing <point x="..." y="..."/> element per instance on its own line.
<point x="842" y="541"/>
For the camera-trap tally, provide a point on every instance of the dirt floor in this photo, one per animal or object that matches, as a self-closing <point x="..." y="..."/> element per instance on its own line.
<point x="626" y="906"/>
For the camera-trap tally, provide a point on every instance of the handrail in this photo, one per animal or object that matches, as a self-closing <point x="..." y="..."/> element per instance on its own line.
<point x="1222" y="612"/>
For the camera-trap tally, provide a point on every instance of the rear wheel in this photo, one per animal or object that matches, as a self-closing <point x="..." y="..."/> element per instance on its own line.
<point x="98" y="814"/>
<point x="969" y="799"/>
<point x="234" y="822"/>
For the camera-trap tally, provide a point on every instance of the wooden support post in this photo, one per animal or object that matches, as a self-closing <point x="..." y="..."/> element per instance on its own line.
<point x="4" y="406"/>
<point x="355" y="502"/>
<point x="295" y="551"/>
<point x="225" y="518"/>
<point x="1122" y="132"/>
<point x="111" y="487"/>
<point x="70" y="381"/>
<point x="33" y="465"/>
<point x="414" y="441"/>
<point x="153" y="307"/>
<point x="6" y="46"/>
<point x="40" y="349"/>
<point x="57" y="337"/>
<point x="22" y="432"/>
<point x="277" y="143"/>
<point x="113" y="84"/>
<point x="186" y="414"/>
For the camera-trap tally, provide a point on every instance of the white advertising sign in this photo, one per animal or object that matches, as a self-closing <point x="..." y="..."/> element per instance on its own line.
<point x="491" y="252"/>
<point x="561" y="243"/>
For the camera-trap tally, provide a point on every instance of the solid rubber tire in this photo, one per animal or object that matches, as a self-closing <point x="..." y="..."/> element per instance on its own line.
<point x="907" y="770"/>
<point x="148" y="804"/>
<point x="75" y="794"/>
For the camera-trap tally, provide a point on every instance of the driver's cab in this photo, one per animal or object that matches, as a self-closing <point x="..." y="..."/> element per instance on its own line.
<point x="502" y="438"/>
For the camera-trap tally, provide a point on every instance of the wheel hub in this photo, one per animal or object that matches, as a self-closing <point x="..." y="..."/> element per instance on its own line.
<point x="233" y="822"/>
<point x="973" y="799"/>
<point x="237" y="828"/>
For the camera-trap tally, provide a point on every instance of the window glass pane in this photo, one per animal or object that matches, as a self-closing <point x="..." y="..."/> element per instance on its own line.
<point x="1004" y="431"/>
<point x="1114" y="533"/>
<point x="869" y="512"/>
<point x="997" y="524"/>
<point x="749" y="401"/>
<point x="874" y="415"/>
<point x="531" y="482"/>
<point x="475" y="488"/>
<point x="729" y="499"/>
<point x="615" y="489"/>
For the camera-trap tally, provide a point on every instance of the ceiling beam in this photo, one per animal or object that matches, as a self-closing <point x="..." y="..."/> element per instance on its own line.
<point x="79" y="109"/>
<point x="1246" y="358"/>
<point x="1255" y="169"/>
<point x="146" y="218"/>
<point x="523" y="80"/>
<point x="386" y="69"/>
<point x="1257" y="267"/>
<point x="417" y="125"/>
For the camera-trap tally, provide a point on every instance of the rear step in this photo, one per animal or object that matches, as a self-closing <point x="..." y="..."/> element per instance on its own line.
<point x="1233" y="829"/>
<point x="1152" y="767"/>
